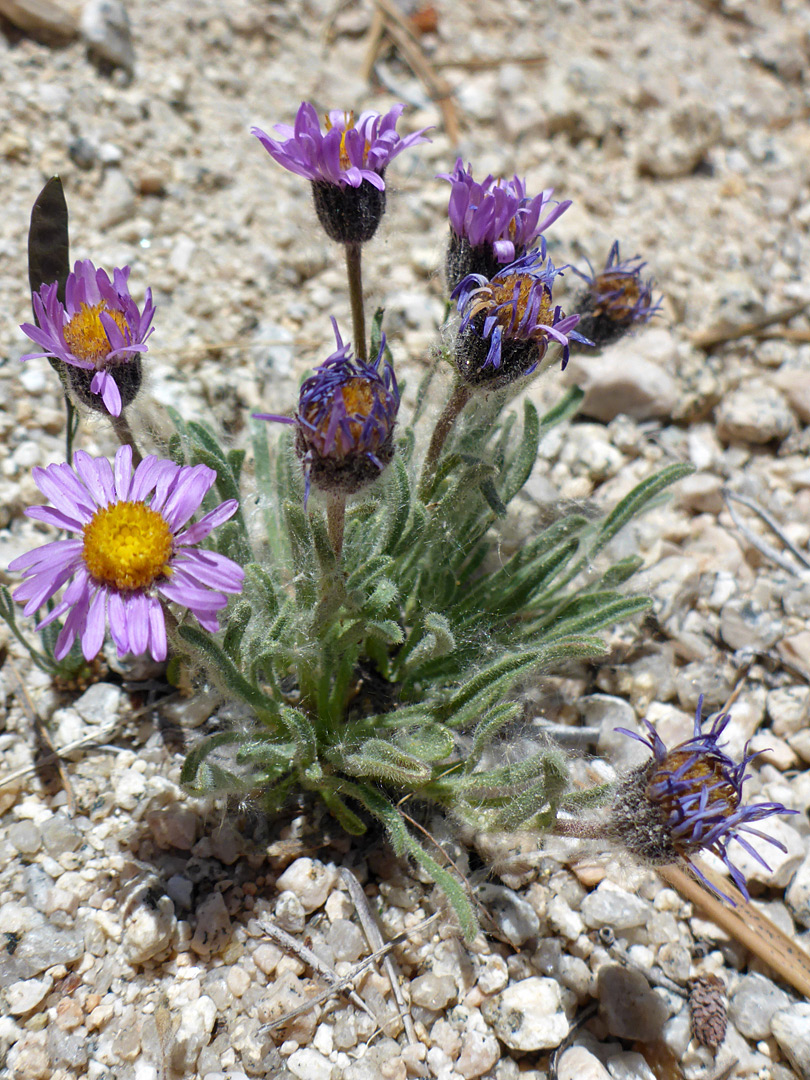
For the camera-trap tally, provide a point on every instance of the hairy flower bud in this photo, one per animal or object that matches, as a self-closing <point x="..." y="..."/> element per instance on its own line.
<point x="687" y="800"/>
<point x="345" y="422"/>
<point x="492" y="223"/>
<point x="615" y="300"/>
<point x="346" y="164"/>
<point x="507" y="321"/>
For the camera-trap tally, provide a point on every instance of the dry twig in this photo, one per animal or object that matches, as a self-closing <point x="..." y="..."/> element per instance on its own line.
<point x="762" y="546"/>
<point x="710" y="339"/>
<point x="398" y="28"/>
<point x="744" y="923"/>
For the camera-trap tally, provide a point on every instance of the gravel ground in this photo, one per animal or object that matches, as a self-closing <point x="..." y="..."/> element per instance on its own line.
<point x="136" y="941"/>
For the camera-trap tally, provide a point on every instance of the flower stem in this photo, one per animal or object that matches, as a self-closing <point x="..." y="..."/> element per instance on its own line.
<point x="579" y="830"/>
<point x="124" y="435"/>
<point x="355" y="276"/>
<point x="459" y="397"/>
<point x="335" y="517"/>
<point x="71" y="427"/>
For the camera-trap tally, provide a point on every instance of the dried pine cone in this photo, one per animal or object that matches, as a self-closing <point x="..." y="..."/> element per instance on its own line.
<point x="707" y="1007"/>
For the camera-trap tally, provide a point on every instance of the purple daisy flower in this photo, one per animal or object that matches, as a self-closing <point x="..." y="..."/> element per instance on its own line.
<point x="493" y="222"/>
<point x="689" y="799"/>
<point x="133" y="548"/>
<point x="616" y="299"/>
<point x="98" y="329"/>
<point x="346" y="164"/>
<point x="345" y="422"/>
<point x="508" y="320"/>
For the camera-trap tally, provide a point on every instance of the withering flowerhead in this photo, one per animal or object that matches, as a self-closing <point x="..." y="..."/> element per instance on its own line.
<point x="99" y="333"/>
<point x="132" y="548"/>
<point x="492" y="223"/>
<point x="346" y="163"/>
<point x="616" y="299"/>
<point x="687" y="800"/>
<point x="345" y="422"/>
<point x="508" y="320"/>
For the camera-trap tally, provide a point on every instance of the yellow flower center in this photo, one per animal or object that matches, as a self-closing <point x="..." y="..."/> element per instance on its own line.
<point x="127" y="545"/>
<point x="619" y="306"/>
<point x="348" y="125"/>
<point x="503" y="293"/>
<point x="704" y="772"/>
<point x="359" y="398"/>
<point x="85" y="334"/>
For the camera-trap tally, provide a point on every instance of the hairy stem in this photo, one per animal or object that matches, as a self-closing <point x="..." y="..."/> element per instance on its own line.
<point x="355" y="276"/>
<point x="124" y="435"/>
<point x="335" y="517"/>
<point x="71" y="427"/>
<point x="459" y="397"/>
<point x="579" y="830"/>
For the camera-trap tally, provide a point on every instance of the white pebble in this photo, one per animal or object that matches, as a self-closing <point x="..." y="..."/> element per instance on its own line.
<point x="310" y="880"/>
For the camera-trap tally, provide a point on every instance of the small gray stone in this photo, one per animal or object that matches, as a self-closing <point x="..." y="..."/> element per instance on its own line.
<point x="577" y="1063"/>
<point x="116" y="199"/>
<point x="24" y="836"/>
<point x="607" y="713"/>
<point x="346" y="940"/>
<point x="797" y="897"/>
<point x="755" y="413"/>
<point x="310" y="880"/>
<point x="479" y="1052"/>
<point x="45" y="946"/>
<point x="59" y="835"/>
<point x="149" y="930"/>
<point x="213" y="926"/>
<point x="788" y="708"/>
<point x="515" y="917"/>
<point x="23" y="996"/>
<point x="196" y="1024"/>
<point x="628" y="1006"/>
<point x="433" y="991"/>
<point x="791" y="1029"/>
<point x="629" y="1066"/>
<point x="104" y="25"/>
<point x="608" y="905"/>
<point x="67" y="1050"/>
<point x="744" y="625"/>
<point x="752" y="1003"/>
<point x="99" y="704"/>
<point x="37" y="886"/>
<point x="528" y="1015"/>
<point x="633" y="385"/>
<point x="289" y="913"/>
<point x="308" y="1064"/>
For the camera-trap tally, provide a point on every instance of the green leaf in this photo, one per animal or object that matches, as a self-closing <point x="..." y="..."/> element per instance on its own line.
<point x="230" y="677"/>
<point x="620" y="572"/>
<point x="237" y="623"/>
<point x="347" y="818"/>
<point x="403" y="842"/>
<point x="565" y="408"/>
<point x="492" y="498"/>
<point x="302" y="732"/>
<point x="488" y="729"/>
<point x="593" y="612"/>
<point x="633" y="503"/>
<point x="378" y="759"/>
<point x="428" y="742"/>
<point x="520" y="468"/>
<point x="191" y="776"/>
<point x="398" y="502"/>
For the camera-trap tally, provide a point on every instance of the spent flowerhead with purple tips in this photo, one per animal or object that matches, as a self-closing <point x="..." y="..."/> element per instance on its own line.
<point x="508" y="320"/>
<point x="99" y="333"/>
<point x="346" y="162"/>
<point x="615" y="299"/>
<point x="493" y="222"/>
<point x="133" y="549"/>
<point x="345" y="422"/>
<point x="690" y="799"/>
